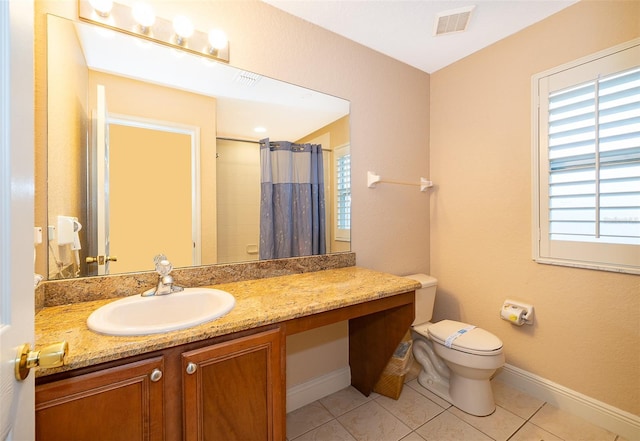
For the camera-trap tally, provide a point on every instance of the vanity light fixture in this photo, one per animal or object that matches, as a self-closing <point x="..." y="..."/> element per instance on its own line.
<point x="140" y="20"/>
<point x="144" y="15"/>
<point x="184" y="29"/>
<point x="217" y="40"/>
<point x="102" y="7"/>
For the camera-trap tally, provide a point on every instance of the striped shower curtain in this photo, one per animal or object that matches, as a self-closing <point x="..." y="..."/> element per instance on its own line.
<point x="292" y="204"/>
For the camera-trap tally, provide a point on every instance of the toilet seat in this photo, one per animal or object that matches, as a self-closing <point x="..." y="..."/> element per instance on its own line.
<point x="475" y="341"/>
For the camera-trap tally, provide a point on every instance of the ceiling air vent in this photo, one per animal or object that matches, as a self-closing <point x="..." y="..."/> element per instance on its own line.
<point x="455" y="20"/>
<point x="247" y="78"/>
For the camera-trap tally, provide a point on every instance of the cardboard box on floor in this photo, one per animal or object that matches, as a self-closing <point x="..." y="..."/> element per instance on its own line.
<point x="392" y="379"/>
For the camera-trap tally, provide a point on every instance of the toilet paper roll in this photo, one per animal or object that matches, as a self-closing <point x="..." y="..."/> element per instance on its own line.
<point x="513" y="314"/>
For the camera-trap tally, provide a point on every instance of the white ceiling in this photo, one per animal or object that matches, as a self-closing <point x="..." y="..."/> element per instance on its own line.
<point x="285" y="110"/>
<point x="403" y="29"/>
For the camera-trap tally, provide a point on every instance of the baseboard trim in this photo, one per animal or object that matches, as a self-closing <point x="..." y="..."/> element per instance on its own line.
<point x="604" y="415"/>
<point x="302" y="394"/>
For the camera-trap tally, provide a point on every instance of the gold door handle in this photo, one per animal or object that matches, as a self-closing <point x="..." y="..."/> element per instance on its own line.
<point x="100" y="260"/>
<point x="48" y="357"/>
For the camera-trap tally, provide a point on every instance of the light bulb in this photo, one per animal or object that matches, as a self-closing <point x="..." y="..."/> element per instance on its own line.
<point x="183" y="27"/>
<point x="102" y="7"/>
<point x="144" y="15"/>
<point x="217" y="39"/>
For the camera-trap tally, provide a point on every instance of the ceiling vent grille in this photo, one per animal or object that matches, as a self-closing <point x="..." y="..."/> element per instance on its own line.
<point x="248" y="78"/>
<point x="451" y="21"/>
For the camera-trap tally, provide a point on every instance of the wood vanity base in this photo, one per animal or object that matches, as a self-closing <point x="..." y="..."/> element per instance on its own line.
<point x="375" y="330"/>
<point x="228" y="387"/>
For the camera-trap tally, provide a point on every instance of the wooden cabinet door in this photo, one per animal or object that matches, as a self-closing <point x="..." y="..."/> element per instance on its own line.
<point x="234" y="390"/>
<point x="120" y="403"/>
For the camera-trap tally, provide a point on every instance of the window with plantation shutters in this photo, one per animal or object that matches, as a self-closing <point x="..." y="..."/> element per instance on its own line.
<point x="587" y="162"/>
<point x="343" y="193"/>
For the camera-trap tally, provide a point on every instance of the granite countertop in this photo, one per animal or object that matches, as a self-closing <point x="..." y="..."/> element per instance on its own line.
<point x="258" y="303"/>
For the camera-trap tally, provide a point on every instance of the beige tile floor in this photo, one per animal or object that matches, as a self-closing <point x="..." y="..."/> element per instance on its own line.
<point x="418" y="415"/>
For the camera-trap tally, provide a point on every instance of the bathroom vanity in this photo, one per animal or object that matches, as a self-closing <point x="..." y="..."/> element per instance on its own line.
<point x="220" y="380"/>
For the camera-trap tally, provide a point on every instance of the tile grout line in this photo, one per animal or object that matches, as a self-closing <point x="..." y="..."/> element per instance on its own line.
<point x="376" y="399"/>
<point x="411" y="430"/>
<point x="334" y="417"/>
<point x="527" y="420"/>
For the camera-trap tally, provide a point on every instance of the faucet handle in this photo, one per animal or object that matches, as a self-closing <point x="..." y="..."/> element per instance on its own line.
<point x="163" y="266"/>
<point x="159" y="258"/>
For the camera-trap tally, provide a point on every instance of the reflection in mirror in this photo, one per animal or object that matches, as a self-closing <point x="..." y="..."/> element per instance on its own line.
<point x="151" y="150"/>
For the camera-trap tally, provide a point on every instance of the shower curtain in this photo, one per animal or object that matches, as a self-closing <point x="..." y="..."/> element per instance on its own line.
<point x="292" y="204"/>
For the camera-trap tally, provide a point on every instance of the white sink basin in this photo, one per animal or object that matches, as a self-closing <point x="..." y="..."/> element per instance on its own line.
<point x="137" y="315"/>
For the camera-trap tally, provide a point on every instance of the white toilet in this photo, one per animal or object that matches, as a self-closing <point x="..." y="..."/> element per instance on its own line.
<point x="457" y="359"/>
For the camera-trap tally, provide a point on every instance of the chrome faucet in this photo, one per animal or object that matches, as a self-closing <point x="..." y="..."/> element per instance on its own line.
<point x="165" y="283"/>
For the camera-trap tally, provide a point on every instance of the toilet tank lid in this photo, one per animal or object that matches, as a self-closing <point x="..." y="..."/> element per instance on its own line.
<point x="424" y="279"/>
<point x="477" y="341"/>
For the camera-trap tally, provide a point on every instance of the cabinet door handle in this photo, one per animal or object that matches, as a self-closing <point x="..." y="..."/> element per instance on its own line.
<point x="156" y="375"/>
<point x="192" y="368"/>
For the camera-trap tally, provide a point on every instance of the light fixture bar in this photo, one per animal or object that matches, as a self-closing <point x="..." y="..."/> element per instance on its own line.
<point x="121" y="19"/>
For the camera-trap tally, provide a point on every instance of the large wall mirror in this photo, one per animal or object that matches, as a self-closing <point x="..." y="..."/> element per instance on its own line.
<point x="154" y="150"/>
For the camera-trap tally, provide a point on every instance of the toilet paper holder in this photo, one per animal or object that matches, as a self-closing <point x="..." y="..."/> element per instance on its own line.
<point x="517" y="313"/>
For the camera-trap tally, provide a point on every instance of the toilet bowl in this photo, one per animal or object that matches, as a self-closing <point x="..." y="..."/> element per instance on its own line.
<point x="457" y="359"/>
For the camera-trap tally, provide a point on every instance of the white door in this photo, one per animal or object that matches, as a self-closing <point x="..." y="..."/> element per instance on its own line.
<point x="16" y="210"/>
<point x="127" y="158"/>
<point x="98" y="214"/>
<point x="146" y="216"/>
<point x="102" y="181"/>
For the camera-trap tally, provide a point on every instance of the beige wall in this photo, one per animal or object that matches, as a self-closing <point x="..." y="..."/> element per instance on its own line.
<point x="587" y="332"/>
<point x="238" y="200"/>
<point x="66" y="122"/>
<point x="40" y="136"/>
<point x="339" y="130"/>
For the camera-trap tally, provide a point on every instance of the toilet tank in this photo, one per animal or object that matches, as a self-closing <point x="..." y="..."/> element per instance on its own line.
<point x="425" y="297"/>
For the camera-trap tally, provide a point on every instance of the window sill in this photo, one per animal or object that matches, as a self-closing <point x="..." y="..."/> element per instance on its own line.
<point x="587" y="265"/>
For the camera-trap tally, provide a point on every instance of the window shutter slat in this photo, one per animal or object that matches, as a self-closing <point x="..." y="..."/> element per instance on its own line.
<point x="343" y="192"/>
<point x="594" y="161"/>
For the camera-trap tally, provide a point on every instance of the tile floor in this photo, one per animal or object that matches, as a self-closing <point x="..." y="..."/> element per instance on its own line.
<point x="418" y="415"/>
